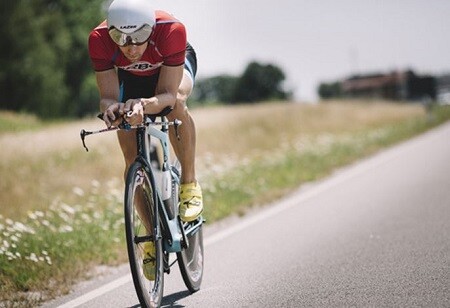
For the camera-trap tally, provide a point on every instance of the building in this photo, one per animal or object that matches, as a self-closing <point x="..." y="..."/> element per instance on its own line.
<point x="397" y="85"/>
<point x="443" y="89"/>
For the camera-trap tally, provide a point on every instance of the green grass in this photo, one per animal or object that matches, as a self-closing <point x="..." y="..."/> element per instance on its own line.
<point x="12" y="122"/>
<point x="262" y="181"/>
<point x="46" y="252"/>
<point x="74" y="221"/>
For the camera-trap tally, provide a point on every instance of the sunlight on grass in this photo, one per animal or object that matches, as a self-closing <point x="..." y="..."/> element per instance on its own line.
<point x="13" y="122"/>
<point x="62" y="209"/>
<point x="36" y="252"/>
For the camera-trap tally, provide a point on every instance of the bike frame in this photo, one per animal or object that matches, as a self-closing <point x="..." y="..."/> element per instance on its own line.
<point x="174" y="235"/>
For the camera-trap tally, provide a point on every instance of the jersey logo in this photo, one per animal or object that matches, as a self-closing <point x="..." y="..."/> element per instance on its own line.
<point x="141" y="66"/>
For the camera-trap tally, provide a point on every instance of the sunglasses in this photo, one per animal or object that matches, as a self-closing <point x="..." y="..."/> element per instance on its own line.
<point x="137" y="37"/>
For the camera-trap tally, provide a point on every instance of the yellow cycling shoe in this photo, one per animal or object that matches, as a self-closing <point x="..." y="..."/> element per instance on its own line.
<point x="191" y="201"/>
<point x="149" y="261"/>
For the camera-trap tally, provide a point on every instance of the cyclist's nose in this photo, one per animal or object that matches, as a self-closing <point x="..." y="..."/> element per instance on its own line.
<point x="132" y="50"/>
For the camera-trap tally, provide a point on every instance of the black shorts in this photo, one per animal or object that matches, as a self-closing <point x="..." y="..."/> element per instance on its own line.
<point x="132" y="86"/>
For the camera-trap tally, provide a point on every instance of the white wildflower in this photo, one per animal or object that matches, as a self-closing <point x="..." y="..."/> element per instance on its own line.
<point x="68" y="208"/>
<point x="10" y="255"/>
<point x="64" y="216"/>
<point x="32" y="216"/>
<point x="78" y="191"/>
<point x="9" y="221"/>
<point x="20" y="227"/>
<point x="65" y="229"/>
<point x="32" y="257"/>
<point x="5" y="244"/>
<point x="86" y="218"/>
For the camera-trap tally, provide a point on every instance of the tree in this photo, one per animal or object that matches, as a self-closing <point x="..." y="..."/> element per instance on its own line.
<point x="260" y="82"/>
<point x="330" y="90"/>
<point x="219" y="88"/>
<point x="44" y="59"/>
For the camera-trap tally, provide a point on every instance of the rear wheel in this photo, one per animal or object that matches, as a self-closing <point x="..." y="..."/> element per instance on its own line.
<point x="141" y="226"/>
<point x="190" y="259"/>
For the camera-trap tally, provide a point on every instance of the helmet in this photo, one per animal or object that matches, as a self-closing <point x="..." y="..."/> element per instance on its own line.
<point x="128" y="16"/>
<point x="130" y="21"/>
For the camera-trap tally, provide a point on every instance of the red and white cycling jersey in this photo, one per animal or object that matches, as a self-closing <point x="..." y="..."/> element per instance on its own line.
<point x="167" y="46"/>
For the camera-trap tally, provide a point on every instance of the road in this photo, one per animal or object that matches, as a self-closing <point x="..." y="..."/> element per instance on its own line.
<point x="375" y="234"/>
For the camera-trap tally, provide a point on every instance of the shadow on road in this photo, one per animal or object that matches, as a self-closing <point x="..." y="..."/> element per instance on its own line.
<point x="170" y="300"/>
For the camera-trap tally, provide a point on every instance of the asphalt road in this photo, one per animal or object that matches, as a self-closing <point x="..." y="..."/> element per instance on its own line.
<point x="375" y="234"/>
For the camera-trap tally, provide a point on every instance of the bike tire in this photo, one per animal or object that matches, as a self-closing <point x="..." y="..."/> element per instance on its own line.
<point x="139" y="182"/>
<point x="191" y="260"/>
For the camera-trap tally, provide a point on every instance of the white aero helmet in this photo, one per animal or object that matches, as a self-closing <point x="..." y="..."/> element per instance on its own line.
<point x="130" y="21"/>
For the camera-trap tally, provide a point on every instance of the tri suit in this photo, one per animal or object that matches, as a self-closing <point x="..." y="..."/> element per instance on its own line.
<point x="167" y="45"/>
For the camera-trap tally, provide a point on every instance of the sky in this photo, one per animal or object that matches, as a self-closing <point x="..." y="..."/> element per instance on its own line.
<point x="315" y="41"/>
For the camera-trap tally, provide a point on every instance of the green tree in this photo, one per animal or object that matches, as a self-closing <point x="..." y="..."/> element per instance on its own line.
<point x="330" y="90"/>
<point x="219" y="88"/>
<point x="260" y="82"/>
<point x="44" y="59"/>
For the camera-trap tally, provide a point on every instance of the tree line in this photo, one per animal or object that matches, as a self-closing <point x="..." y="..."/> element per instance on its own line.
<point x="45" y="67"/>
<point x="258" y="82"/>
<point x="44" y="63"/>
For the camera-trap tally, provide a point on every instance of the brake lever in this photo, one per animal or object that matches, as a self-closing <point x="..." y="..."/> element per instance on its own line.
<point x="83" y="134"/>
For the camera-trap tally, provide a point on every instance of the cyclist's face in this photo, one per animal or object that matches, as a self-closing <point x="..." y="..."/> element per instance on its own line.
<point x="134" y="52"/>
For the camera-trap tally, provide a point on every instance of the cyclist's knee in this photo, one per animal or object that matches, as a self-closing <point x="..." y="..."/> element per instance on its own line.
<point x="180" y="107"/>
<point x="184" y="91"/>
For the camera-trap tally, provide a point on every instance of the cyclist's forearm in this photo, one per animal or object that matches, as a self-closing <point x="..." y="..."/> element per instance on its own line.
<point x="158" y="102"/>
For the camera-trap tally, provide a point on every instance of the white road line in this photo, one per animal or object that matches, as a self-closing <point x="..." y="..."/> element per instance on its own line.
<point x="97" y="292"/>
<point x="269" y="212"/>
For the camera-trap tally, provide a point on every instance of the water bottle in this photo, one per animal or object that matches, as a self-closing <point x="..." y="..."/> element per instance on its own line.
<point x="166" y="192"/>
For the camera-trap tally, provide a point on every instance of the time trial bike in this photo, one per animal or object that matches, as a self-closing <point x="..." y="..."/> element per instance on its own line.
<point x="151" y="204"/>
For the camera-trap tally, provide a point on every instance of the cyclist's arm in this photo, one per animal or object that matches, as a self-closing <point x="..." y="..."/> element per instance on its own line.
<point x="166" y="95"/>
<point x="166" y="90"/>
<point x="108" y="86"/>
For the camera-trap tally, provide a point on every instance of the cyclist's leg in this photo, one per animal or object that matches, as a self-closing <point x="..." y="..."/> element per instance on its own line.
<point x="127" y="141"/>
<point x="185" y="146"/>
<point x="132" y="86"/>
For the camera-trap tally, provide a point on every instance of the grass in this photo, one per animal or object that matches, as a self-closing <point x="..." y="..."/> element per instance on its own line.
<point x="13" y="122"/>
<point x="61" y="208"/>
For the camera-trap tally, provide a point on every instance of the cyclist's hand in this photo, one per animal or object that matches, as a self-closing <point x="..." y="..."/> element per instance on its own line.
<point x="113" y="115"/>
<point x="134" y="112"/>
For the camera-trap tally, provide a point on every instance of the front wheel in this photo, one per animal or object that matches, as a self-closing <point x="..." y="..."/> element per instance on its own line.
<point x="142" y="226"/>
<point x="190" y="260"/>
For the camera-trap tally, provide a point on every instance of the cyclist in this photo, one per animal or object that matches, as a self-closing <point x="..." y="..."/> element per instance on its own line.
<point x="144" y="65"/>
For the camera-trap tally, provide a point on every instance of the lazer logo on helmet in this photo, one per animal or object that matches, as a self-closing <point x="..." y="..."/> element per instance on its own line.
<point x="128" y="27"/>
